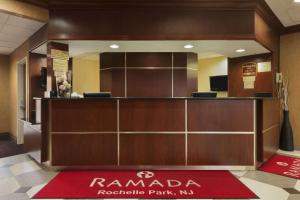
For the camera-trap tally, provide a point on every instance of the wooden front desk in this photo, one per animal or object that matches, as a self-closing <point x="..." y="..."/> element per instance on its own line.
<point x="151" y="132"/>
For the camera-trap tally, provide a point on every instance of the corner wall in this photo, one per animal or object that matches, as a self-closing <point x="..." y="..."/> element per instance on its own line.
<point x="4" y="94"/>
<point x="211" y="67"/>
<point x="290" y="67"/>
<point x="86" y="75"/>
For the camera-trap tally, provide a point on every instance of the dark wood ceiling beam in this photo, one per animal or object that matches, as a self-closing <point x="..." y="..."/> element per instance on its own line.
<point x="260" y="6"/>
<point x="216" y="4"/>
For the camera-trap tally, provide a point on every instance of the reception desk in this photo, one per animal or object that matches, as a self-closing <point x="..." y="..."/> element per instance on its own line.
<point x="162" y="133"/>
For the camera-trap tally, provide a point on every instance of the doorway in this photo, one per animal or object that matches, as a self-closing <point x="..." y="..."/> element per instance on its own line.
<point x="22" y="103"/>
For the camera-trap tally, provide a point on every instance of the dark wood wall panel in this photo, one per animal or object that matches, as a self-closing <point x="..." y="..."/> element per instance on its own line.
<point x="106" y="81"/>
<point x="263" y="81"/>
<point x="214" y="149"/>
<point x="152" y="115"/>
<point x="109" y="60"/>
<point x="118" y="82"/>
<point x="219" y="115"/>
<point x="36" y="62"/>
<point x="180" y="82"/>
<point x="192" y="81"/>
<point x="160" y="59"/>
<point x="144" y="23"/>
<point x="113" y="80"/>
<point x="92" y="149"/>
<point x="100" y="115"/>
<point x="149" y="82"/>
<point x="152" y="149"/>
<point x="149" y="74"/>
<point x="271" y="113"/>
<point x="179" y="60"/>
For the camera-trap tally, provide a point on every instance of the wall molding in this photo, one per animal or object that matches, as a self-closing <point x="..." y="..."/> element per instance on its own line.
<point x="291" y="29"/>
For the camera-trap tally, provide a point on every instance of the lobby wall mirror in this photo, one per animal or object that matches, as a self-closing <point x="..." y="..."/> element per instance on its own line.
<point x="167" y="68"/>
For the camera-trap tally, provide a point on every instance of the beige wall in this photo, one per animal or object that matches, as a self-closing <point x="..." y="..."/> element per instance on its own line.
<point x="211" y="67"/>
<point x="290" y="67"/>
<point x="86" y="75"/>
<point x="4" y="94"/>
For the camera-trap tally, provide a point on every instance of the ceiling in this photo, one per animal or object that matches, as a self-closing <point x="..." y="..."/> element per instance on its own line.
<point x="204" y="48"/>
<point x="15" y="30"/>
<point x="287" y="11"/>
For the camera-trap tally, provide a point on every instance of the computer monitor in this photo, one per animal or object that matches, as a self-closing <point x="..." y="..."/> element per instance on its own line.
<point x="218" y="83"/>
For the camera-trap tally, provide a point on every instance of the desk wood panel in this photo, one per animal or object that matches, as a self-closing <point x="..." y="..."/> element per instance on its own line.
<point x="84" y="115"/>
<point x="110" y="60"/>
<point x="152" y="149"/>
<point x="217" y="149"/>
<point x="219" y="115"/>
<point x="271" y="113"/>
<point x="84" y="149"/>
<point x="152" y="115"/>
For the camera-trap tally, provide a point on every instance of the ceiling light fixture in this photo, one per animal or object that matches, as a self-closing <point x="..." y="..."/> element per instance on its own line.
<point x="240" y="50"/>
<point x="114" y="46"/>
<point x="297" y="1"/>
<point x="188" y="46"/>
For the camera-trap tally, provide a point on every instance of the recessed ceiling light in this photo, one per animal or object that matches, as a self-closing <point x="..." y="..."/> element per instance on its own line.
<point x="240" y="50"/>
<point x="114" y="46"/>
<point x="188" y="46"/>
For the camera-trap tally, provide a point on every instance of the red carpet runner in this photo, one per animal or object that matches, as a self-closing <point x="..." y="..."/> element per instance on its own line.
<point x="283" y="165"/>
<point x="145" y="184"/>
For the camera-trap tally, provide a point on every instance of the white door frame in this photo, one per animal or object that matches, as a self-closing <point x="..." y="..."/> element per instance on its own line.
<point x="20" y="122"/>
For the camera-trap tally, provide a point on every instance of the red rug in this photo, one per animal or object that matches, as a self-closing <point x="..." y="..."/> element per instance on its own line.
<point x="145" y="184"/>
<point x="283" y="165"/>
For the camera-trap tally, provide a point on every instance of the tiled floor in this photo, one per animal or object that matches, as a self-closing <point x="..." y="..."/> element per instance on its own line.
<point x="21" y="178"/>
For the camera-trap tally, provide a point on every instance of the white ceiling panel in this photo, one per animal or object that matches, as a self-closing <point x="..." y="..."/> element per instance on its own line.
<point x="14" y="30"/>
<point x="11" y="38"/>
<point x="5" y="50"/>
<point x="287" y="11"/>
<point x="8" y="44"/>
<point x="204" y="48"/>
<point x="24" y="23"/>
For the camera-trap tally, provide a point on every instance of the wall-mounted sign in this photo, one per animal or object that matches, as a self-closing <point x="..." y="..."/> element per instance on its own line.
<point x="249" y="74"/>
<point x="59" y="54"/>
<point x="249" y="69"/>
<point x="60" y="60"/>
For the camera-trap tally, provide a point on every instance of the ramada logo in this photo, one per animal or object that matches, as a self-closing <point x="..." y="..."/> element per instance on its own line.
<point x="145" y="174"/>
<point x="143" y="181"/>
<point x="283" y="164"/>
